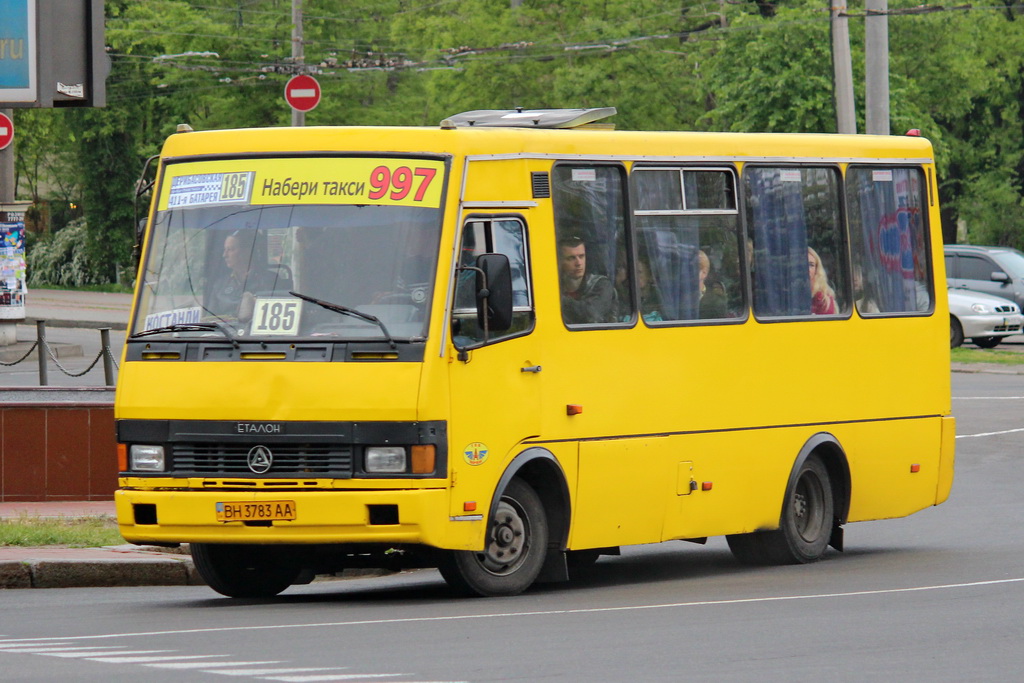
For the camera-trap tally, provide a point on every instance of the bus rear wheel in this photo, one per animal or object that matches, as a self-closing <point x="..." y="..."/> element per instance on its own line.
<point x="517" y="540"/>
<point x="243" y="571"/>
<point x="807" y="519"/>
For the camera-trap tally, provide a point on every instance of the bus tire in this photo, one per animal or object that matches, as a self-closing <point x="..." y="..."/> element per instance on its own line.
<point x="806" y="524"/>
<point x="243" y="571"/>
<point x="517" y="541"/>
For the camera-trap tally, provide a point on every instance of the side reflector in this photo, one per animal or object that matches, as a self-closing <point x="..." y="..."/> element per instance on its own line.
<point x="122" y="457"/>
<point x="423" y="458"/>
<point x="915" y="468"/>
<point x="706" y="485"/>
<point x="573" y="409"/>
<point x="469" y="506"/>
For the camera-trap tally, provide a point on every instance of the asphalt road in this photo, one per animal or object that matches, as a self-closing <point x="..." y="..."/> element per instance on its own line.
<point x="933" y="597"/>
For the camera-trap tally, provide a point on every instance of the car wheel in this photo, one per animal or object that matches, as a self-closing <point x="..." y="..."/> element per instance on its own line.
<point x="987" y="342"/>
<point x="956" y="333"/>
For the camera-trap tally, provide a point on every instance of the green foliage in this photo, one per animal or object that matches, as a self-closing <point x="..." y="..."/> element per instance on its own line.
<point x="61" y="260"/>
<point x="85" y="532"/>
<point x="965" y="354"/>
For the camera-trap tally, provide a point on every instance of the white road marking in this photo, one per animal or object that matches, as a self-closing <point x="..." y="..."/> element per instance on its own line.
<point x="208" y="665"/>
<point x="988" y="398"/>
<point x="115" y="653"/>
<point x="543" y="613"/>
<point x="269" y="672"/>
<point x="1005" y="431"/>
<point x="147" y="660"/>
<point x="341" y="677"/>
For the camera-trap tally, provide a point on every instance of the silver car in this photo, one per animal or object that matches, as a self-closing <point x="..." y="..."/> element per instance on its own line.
<point x="982" y="318"/>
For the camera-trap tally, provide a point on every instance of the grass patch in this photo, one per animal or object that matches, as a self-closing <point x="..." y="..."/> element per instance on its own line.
<point x="966" y="355"/>
<point x="70" y="532"/>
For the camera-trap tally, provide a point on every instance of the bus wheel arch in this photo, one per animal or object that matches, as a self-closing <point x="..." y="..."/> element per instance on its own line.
<point x="815" y="507"/>
<point x="532" y="500"/>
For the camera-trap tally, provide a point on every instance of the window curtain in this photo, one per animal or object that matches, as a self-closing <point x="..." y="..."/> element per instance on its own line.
<point x="779" y="232"/>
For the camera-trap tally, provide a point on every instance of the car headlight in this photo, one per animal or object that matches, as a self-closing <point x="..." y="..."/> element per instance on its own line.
<point x="385" y="459"/>
<point x="146" y="458"/>
<point x="979" y="308"/>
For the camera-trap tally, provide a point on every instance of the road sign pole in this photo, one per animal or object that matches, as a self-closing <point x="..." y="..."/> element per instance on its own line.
<point x="298" y="54"/>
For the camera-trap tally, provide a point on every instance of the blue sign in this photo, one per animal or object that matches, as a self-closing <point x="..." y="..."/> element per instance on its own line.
<point x="18" y="51"/>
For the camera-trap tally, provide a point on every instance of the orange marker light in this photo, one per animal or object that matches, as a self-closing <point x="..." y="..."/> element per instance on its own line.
<point x="915" y="468"/>
<point x="469" y="506"/>
<point x="423" y="458"/>
<point x="706" y="486"/>
<point x="573" y="409"/>
<point x="122" y="457"/>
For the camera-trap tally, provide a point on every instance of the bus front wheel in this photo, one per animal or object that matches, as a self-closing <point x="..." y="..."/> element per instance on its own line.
<point x="241" y="571"/>
<point x="517" y="540"/>
<point x="807" y="518"/>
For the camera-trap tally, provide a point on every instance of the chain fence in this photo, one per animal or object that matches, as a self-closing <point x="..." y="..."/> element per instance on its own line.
<point x="105" y="354"/>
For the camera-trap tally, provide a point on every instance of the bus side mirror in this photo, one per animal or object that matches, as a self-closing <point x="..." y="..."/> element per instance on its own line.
<point x="493" y="292"/>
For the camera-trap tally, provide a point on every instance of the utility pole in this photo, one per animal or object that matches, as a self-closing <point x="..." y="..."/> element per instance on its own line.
<point x="842" y="70"/>
<point x="298" y="54"/>
<point x="876" y="67"/>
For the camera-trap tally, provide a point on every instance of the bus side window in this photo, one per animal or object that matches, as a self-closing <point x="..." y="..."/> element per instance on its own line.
<point x="688" y="238"/>
<point x="794" y="218"/>
<point x="889" y="240"/>
<point x="591" y="243"/>
<point x="504" y="235"/>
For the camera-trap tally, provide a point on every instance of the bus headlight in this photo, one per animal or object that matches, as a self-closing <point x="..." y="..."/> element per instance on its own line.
<point x="146" y="458"/>
<point x="385" y="459"/>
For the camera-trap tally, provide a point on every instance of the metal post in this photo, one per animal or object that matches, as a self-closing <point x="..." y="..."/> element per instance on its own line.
<point x="842" y="69"/>
<point x="41" y="351"/>
<point x="108" y="361"/>
<point x="876" y="67"/>
<point x="298" y="54"/>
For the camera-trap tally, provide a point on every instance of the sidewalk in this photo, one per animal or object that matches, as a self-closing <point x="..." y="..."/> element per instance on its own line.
<point x="121" y="565"/>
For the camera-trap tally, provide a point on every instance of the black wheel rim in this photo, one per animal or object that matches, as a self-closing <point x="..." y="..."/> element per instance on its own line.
<point x="508" y="543"/>
<point x="809" y="507"/>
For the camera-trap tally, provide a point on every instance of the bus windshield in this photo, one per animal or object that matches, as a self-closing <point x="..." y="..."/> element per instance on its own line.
<point x="236" y="265"/>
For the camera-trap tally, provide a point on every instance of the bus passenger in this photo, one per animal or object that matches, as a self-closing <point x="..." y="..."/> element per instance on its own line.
<point x="823" y="298"/>
<point x="712" y="293"/>
<point x="650" y="298"/>
<point x="586" y="297"/>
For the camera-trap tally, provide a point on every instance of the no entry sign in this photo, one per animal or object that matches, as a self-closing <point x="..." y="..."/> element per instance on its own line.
<point x="6" y="131"/>
<point x="302" y="92"/>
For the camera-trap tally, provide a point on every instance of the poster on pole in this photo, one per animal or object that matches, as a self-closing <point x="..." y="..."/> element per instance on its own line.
<point x="12" y="267"/>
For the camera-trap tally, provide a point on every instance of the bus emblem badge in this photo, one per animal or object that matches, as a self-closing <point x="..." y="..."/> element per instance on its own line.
<point x="260" y="459"/>
<point x="475" y="453"/>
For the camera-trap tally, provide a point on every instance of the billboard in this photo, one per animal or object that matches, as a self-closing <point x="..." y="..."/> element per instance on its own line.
<point x="18" y="51"/>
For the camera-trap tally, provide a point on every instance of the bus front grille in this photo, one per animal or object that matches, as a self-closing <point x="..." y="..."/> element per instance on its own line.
<point x="333" y="460"/>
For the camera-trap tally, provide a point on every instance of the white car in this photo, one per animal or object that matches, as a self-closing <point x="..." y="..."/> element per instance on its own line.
<point x="982" y="318"/>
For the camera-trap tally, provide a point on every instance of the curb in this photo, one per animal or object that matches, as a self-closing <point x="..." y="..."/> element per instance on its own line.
<point x="142" y="568"/>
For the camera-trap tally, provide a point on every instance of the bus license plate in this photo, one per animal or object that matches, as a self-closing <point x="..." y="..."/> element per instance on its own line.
<point x="269" y="510"/>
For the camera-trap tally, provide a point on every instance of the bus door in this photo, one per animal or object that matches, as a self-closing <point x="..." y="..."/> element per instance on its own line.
<point x="495" y="382"/>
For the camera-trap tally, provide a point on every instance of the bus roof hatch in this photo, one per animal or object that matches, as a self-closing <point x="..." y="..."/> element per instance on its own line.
<point x="528" y="118"/>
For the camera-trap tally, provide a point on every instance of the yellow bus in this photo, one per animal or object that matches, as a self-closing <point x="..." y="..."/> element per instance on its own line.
<point x="507" y="345"/>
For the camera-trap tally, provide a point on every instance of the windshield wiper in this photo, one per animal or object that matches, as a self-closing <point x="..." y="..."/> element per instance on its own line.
<point x="345" y="310"/>
<point x="190" y="327"/>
